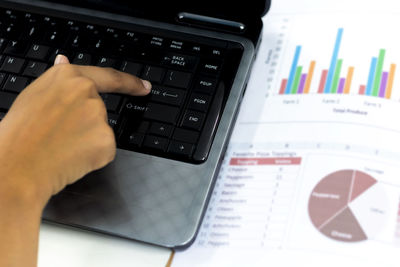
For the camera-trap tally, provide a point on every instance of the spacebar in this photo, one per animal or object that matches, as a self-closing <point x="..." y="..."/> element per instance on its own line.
<point x="6" y="100"/>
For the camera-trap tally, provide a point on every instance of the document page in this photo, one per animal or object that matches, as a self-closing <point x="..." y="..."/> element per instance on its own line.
<point x="312" y="174"/>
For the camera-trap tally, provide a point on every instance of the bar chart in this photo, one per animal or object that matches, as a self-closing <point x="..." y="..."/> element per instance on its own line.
<point x="336" y="79"/>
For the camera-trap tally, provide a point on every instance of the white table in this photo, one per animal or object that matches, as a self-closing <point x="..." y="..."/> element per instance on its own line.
<point x="67" y="247"/>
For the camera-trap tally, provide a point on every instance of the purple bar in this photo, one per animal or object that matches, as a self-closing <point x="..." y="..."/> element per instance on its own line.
<point x="342" y="81"/>
<point x="302" y="83"/>
<point x="383" y="84"/>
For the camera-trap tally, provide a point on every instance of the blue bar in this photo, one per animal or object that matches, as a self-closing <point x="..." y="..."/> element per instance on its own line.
<point x="293" y="69"/>
<point x="332" y="67"/>
<point x="371" y="76"/>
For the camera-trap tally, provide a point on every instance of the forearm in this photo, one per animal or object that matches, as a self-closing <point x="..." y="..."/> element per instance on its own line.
<point x="20" y="215"/>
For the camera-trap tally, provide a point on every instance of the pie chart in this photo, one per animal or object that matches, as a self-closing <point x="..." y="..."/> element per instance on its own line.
<point x="348" y="206"/>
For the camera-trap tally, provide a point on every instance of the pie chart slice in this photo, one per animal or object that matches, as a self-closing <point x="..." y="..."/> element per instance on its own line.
<point x="344" y="227"/>
<point x="329" y="196"/>
<point x="347" y="205"/>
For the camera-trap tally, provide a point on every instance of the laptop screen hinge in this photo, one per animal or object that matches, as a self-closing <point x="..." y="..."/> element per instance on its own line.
<point x="210" y="22"/>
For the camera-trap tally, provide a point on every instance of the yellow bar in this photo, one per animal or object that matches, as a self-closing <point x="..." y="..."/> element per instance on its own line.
<point x="390" y="82"/>
<point x="309" y="77"/>
<point x="348" y="80"/>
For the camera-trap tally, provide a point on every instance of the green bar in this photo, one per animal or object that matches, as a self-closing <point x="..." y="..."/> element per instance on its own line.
<point x="336" y="76"/>
<point x="378" y="72"/>
<point x="296" y="80"/>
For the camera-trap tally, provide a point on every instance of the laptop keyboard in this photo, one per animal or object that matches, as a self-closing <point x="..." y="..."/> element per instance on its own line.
<point x="176" y="120"/>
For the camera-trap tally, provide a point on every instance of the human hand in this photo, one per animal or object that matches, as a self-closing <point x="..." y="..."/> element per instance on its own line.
<point x="56" y="131"/>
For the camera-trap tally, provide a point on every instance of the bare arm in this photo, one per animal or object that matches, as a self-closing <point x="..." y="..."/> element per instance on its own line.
<point x="55" y="133"/>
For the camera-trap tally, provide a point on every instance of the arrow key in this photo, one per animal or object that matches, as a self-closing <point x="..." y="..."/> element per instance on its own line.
<point x="155" y="143"/>
<point x="181" y="149"/>
<point x="161" y="129"/>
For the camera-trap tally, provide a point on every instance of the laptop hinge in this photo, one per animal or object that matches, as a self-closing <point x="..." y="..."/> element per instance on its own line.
<point x="210" y="22"/>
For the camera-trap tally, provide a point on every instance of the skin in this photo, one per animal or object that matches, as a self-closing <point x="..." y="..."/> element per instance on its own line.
<point x="55" y="133"/>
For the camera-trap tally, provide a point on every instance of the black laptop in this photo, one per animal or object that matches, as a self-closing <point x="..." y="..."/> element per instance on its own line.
<point x="197" y="54"/>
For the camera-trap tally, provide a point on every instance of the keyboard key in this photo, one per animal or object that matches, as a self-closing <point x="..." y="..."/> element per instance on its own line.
<point x="131" y="68"/>
<point x="205" y="85"/>
<point x="38" y="52"/>
<point x="35" y="69"/>
<point x="161" y="113"/>
<point x="193" y="120"/>
<point x="82" y="59"/>
<point x="186" y="136"/>
<point x="111" y="101"/>
<point x="113" y="120"/>
<point x="136" y="139"/>
<point x="157" y="41"/>
<point x="155" y="142"/>
<point x="210" y="66"/>
<point x="15" y="83"/>
<point x="161" y="129"/>
<point x="153" y="74"/>
<point x="3" y="43"/>
<point x="6" y="100"/>
<point x="2" y="77"/>
<point x="183" y="62"/>
<point x="56" y="52"/>
<point x="176" y="45"/>
<point x="181" y="149"/>
<point x="106" y="62"/>
<point x="15" y="48"/>
<point x="199" y="102"/>
<point x="167" y="95"/>
<point x="12" y="64"/>
<point x="177" y="79"/>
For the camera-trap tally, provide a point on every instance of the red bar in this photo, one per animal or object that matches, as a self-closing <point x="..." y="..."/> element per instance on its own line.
<point x="362" y="90"/>
<point x="322" y="82"/>
<point x="264" y="161"/>
<point x="283" y="86"/>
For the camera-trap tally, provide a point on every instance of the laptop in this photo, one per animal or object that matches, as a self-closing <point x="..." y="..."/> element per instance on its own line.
<point x="198" y="56"/>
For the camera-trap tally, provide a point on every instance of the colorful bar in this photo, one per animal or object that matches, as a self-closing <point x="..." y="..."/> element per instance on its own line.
<point x="362" y="90"/>
<point x="335" y="82"/>
<point x="383" y="84"/>
<point x="322" y="82"/>
<point x="332" y="67"/>
<point x="341" y="85"/>
<point x="309" y="77"/>
<point x="302" y="83"/>
<point x="378" y="72"/>
<point x="371" y="76"/>
<point x="296" y="82"/>
<point x="293" y="69"/>
<point x="390" y="82"/>
<point x="283" y="86"/>
<point x="348" y="80"/>
<point x="265" y="161"/>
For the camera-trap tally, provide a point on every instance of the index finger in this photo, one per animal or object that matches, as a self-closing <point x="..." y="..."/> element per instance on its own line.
<point x="109" y="80"/>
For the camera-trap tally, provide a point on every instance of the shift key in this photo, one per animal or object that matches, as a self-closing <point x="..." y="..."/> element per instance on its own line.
<point x="161" y="113"/>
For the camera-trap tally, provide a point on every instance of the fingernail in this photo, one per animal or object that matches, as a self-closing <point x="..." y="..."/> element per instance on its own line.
<point x="146" y="84"/>
<point x="60" y="59"/>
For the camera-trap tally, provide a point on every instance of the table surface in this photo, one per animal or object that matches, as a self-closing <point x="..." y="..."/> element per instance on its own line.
<point x="64" y="246"/>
